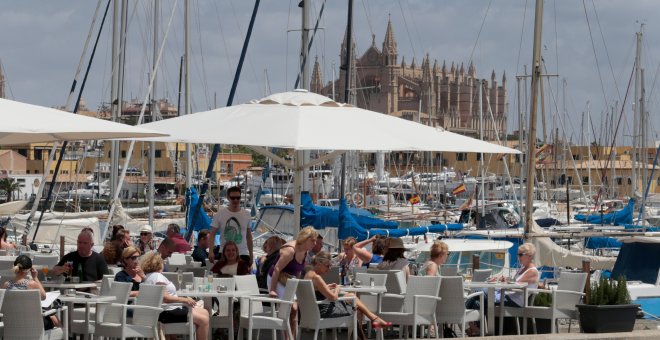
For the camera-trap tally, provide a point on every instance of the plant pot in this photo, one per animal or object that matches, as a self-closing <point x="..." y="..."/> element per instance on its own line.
<point x="607" y="318"/>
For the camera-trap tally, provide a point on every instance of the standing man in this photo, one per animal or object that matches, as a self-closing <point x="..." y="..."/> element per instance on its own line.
<point x="199" y="253"/>
<point x="174" y="233"/>
<point x="234" y="225"/>
<point x="84" y="263"/>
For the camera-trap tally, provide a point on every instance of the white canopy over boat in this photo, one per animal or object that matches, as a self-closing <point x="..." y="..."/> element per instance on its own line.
<point x="27" y="123"/>
<point x="308" y="121"/>
<point x="463" y="244"/>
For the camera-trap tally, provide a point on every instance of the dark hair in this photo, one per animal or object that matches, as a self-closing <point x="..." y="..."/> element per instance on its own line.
<point x="115" y="229"/>
<point x="233" y="189"/>
<point x="173" y="227"/>
<point x="378" y="247"/>
<point x="119" y="235"/>
<point x="230" y="243"/>
<point x="3" y="234"/>
<point x="394" y="254"/>
<point x="22" y="262"/>
<point x="202" y="234"/>
<point x="167" y="243"/>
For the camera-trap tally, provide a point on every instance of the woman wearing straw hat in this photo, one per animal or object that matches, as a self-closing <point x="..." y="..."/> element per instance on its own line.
<point x="394" y="259"/>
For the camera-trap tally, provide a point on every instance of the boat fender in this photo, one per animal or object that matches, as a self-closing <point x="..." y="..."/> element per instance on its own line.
<point x="358" y="198"/>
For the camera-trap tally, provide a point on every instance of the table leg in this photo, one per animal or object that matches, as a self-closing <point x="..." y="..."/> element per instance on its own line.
<point x="491" y="310"/>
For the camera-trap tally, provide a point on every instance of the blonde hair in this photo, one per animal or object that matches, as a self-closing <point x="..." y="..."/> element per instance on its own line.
<point x="321" y="258"/>
<point x="128" y="252"/>
<point x="151" y="262"/>
<point x="438" y="249"/>
<point x="273" y="241"/>
<point x="527" y="248"/>
<point x="306" y="234"/>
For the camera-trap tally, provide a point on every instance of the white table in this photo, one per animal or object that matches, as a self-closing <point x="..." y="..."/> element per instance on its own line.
<point x="68" y="285"/>
<point x="87" y="300"/>
<point x="492" y="286"/>
<point x="364" y="289"/>
<point x="229" y="295"/>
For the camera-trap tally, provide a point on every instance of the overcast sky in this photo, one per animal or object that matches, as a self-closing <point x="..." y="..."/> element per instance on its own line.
<point x="41" y="43"/>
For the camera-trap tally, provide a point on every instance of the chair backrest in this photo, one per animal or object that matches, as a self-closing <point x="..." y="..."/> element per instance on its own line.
<point x="481" y="275"/>
<point x="121" y="291"/>
<point x="177" y="259"/>
<point x="114" y="269"/>
<point x="448" y="270"/>
<point x="198" y="271"/>
<point x="572" y="282"/>
<point x="149" y="295"/>
<point x="452" y="307"/>
<point x="360" y="269"/>
<point x="332" y="275"/>
<point x="396" y="280"/>
<point x="421" y="285"/>
<point x="365" y="278"/>
<point x="6" y="264"/>
<point x="45" y="260"/>
<point x="188" y="258"/>
<point x="248" y="283"/>
<point x="106" y="284"/>
<point x="289" y="295"/>
<point x="22" y="314"/>
<point x="309" y="310"/>
<point x="174" y="277"/>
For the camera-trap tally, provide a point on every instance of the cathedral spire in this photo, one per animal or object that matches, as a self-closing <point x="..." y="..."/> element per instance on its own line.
<point x="413" y="64"/>
<point x="472" y="71"/>
<point x="435" y="67"/>
<point x="403" y="62"/>
<point x="316" y="83"/>
<point x="389" y="45"/>
<point x="2" y="83"/>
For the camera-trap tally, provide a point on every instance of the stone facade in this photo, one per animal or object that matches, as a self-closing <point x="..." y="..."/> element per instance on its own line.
<point x="428" y="93"/>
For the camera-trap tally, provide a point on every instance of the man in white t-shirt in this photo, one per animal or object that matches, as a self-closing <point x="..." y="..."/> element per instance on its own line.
<point x="234" y="225"/>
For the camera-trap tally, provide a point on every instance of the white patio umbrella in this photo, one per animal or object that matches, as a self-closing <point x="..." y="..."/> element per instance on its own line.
<point x="27" y="123"/>
<point x="302" y="120"/>
<point x="307" y="121"/>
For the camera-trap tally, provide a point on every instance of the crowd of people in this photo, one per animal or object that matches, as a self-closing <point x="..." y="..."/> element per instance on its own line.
<point x="302" y="257"/>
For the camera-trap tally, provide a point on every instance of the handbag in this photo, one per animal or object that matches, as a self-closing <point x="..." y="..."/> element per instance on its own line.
<point x="284" y="277"/>
<point x="335" y="309"/>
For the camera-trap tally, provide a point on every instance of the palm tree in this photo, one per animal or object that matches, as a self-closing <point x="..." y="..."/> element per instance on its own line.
<point x="9" y="185"/>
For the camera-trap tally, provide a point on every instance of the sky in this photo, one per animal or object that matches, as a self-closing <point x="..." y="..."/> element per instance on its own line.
<point x="587" y="45"/>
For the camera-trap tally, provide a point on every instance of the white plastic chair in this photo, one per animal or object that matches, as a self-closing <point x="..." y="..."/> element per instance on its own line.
<point x="395" y="285"/>
<point x="188" y="277"/>
<point x="448" y="270"/>
<point x="113" y="323"/>
<point x="419" y="304"/>
<point x="23" y="318"/>
<point x="370" y="300"/>
<point x="332" y="276"/>
<point x="82" y="322"/>
<point x="569" y="293"/>
<point x="481" y="275"/>
<point x="310" y="316"/>
<point x="452" y="308"/>
<point x="45" y="260"/>
<point x="177" y="259"/>
<point x="278" y="318"/>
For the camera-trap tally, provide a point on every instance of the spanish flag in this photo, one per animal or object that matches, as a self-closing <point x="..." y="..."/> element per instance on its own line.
<point x="414" y="200"/>
<point x="459" y="189"/>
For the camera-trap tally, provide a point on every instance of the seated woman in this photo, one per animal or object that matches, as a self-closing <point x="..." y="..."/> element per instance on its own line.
<point x="231" y="264"/>
<point x="26" y="277"/>
<point x="152" y="264"/>
<point x="439" y="253"/>
<point x="132" y="272"/>
<point x="527" y="274"/>
<point x="375" y="256"/>
<point x="4" y="245"/>
<point x="348" y="258"/>
<point x="394" y="259"/>
<point x="320" y="265"/>
<point x="271" y="248"/>
<point x="112" y="250"/>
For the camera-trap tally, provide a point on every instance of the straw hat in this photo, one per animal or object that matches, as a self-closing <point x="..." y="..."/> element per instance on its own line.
<point x="146" y="229"/>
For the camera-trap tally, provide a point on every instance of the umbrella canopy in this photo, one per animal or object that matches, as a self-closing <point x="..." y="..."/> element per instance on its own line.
<point x="307" y="121"/>
<point x="26" y="123"/>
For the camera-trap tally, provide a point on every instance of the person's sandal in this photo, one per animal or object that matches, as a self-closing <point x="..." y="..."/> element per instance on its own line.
<point x="377" y="325"/>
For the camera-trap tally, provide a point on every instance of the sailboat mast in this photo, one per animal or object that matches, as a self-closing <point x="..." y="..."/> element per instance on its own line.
<point x="152" y="145"/>
<point x="481" y="155"/>
<point x="531" y="149"/>
<point x="636" y="110"/>
<point x="187" y="108"/>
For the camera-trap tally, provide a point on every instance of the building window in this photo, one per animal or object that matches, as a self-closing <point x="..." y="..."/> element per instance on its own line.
<point x="123" y="154"/>
<point x="576" y="157"/>
<point x="479" y="157"/>
<point x="619" y="180"/>
<point x="28" y="172"/>
<point x="658" y="181"/>
<point x="629" y="181"/>
<point x="158" y="153"/>
<point x="585" y="180"/>
<point x="570" y="180"/>
<point x="461" y="156"/>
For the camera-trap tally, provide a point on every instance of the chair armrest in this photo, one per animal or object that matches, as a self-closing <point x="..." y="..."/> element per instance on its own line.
<point x="538" y="290"/>
<point x="86" y="294"/>
<point x="427" y="297"/>
<point x="175" y="304"/>
<point x="423" y="304"/>
<point x="393" y="296"/>
<point x="49" y="312"/>
<point x="479" y="293"/>
<point x="568" y="292"/>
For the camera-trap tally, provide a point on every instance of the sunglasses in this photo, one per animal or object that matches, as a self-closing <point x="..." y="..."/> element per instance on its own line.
<point x="521" y="254"/>
<point x="145" y="234"/>
<point x="132" y="257"/>
<point x="234" y="198"/>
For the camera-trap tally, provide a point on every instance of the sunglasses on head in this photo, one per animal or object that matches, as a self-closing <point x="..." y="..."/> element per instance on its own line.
<point x="521" y="254"/>
<point x="234" y="198"/>
<point x="134" y="257"/>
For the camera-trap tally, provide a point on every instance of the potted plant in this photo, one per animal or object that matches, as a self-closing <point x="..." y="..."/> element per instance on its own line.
<point x="608" y="308"/>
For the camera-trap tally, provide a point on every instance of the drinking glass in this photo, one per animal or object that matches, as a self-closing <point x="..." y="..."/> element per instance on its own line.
<point x="45" y="271"/>
<point x="179" y="278"/>
<point x="468" y="274"/>
<point x="189" y="287"/>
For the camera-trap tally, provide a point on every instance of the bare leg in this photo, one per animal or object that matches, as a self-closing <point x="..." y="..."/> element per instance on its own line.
<point x="201" y="321"/>
<point x="369" y="314"/>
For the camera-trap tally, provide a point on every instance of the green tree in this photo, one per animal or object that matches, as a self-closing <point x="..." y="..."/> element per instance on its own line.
<point x="9" y="185"/>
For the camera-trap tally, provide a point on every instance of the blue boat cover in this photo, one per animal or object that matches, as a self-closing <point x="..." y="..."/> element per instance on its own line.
<point x="620" y="217"/>
<point x="638" y="261"/>
<point x="200" y="219"/>
<point x="321" y="217"/>
<point x="602" y="242"/>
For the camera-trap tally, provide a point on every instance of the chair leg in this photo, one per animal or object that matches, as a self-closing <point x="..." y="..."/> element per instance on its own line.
<point x="414" y="331"/>
<point x="525" y="325"/>
<point x="534" y="325"/>
<point x="553" y="328"/>
<point x="517" y="325"/>
<point x="316" y="334"/>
